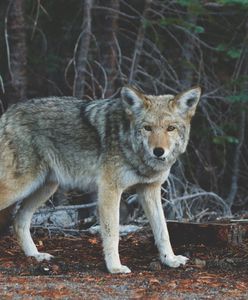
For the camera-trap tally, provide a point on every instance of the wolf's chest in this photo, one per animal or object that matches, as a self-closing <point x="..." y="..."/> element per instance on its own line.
<point x="129" y="177"/>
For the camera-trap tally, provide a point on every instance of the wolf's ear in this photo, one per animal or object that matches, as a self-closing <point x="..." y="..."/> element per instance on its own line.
<point x="132" y="99"/>
<point x="186" y="102"/>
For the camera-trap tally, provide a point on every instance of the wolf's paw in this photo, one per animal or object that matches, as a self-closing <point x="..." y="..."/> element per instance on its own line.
<point x="119" y="269"/>
<point x="174" y="261"/>
<point x="40" y="256"/>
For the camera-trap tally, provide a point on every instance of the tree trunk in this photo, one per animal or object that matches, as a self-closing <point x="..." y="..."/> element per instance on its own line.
<point x="107" y="20"/>
<point x="82" y="49"/>
<point x="241" y="70"/>
<point x="139" y="43"/>
<point x="15" y="36"/>
<point x="188" y="55"/>
<point x="236" y="160"/>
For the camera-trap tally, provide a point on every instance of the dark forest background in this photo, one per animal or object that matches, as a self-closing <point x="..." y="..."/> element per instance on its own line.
<point x="91" y="48"/>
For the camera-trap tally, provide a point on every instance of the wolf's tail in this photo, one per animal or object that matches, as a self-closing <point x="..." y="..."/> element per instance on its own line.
<point x="6" y="216"/>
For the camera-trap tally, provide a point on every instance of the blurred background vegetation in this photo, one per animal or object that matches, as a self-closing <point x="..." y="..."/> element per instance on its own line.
<point x="91" y="48"/>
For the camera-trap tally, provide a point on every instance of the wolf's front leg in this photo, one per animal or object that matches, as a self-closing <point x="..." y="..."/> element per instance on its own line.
<point x="109" y="202"/>
<point x="150" y="198"/>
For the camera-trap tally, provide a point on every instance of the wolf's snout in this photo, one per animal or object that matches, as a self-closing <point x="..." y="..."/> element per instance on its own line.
<point x="158" y="152"/>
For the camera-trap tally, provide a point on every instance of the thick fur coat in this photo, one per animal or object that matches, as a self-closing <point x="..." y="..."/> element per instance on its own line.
<point x="105" y="145"/>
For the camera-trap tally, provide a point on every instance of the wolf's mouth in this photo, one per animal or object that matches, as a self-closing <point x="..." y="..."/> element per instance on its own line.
<point x="160" y="158"/>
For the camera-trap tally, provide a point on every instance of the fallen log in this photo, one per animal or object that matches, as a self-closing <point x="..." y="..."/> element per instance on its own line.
<point x="233" y="232"/>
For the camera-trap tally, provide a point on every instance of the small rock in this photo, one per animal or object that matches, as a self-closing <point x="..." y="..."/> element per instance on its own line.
<point x="55" y="269"/>
<point x="230" y="260"/>
<point x="199" y="263"/>
<point x="155" y="266"/>
<point x="44" y="270"/>
<point x="154" y="281"/>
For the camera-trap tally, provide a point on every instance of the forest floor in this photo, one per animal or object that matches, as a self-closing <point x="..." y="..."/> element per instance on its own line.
<point x="78" y="270"/>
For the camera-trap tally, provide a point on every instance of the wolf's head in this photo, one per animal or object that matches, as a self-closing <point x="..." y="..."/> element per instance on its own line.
<point x="160" y="124"/>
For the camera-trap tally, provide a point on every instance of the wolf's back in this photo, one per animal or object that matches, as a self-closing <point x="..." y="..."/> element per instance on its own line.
<point x="48" y="137"/>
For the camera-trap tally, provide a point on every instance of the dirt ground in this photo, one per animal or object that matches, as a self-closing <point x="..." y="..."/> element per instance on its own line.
<point x="78" y="271"/>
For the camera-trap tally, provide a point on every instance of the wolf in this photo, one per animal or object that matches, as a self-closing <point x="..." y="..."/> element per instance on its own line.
<point x="106" y="146"/>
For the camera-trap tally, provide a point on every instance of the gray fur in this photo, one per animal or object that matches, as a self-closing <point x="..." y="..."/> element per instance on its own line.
<point x="98" y="145"/>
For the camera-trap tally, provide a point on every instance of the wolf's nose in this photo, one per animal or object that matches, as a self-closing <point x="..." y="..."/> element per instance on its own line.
<point x="158" y="152"/>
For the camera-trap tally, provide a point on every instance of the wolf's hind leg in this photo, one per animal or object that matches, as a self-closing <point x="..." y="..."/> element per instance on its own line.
<point x="23" y="219"/>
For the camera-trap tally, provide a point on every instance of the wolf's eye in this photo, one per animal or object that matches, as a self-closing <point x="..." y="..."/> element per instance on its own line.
<point x="171" y="128"/>
<point x="148" y="128"/>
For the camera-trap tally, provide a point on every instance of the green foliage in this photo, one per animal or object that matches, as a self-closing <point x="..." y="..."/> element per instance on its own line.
<point x="231" y="52"/>
<point x="184" y="2"/>
<point x="170" y="21"/>
<point x="243" y="3"/>
<point x="240" y="82"/>
<point x="225" y="139"/>
<point x="180" y="22"/>
<point x="193" y="6"/>
<point x="198" y="29"/>
<point x="221" y="47"/>
<point x="242" y="97"/>
<point x="234" y="53"/>
<point x="146" y="23"/>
